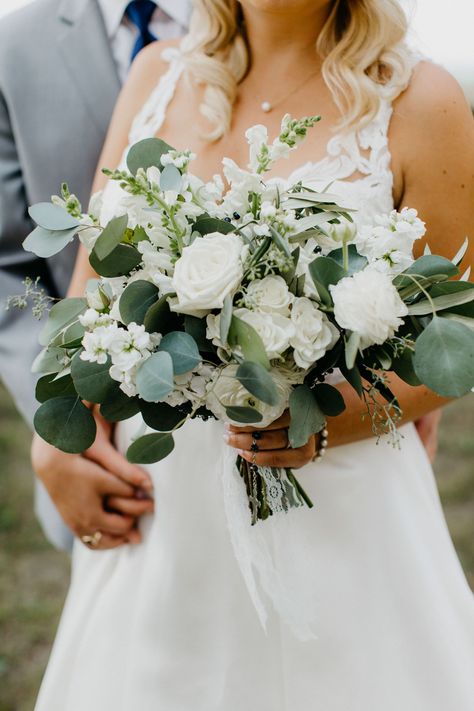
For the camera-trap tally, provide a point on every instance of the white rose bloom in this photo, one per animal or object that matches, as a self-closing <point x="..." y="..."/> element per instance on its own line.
<point x="369" y="304"/>
<point x="270" y="294"/>
<point x="314" y="333"/>
<point x="207" y="271"/>
<point x="274" y="330"/>
<point x="225" y="391"/>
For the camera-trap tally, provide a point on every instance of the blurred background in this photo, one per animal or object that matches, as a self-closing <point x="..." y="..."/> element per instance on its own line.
<point x="34" y="577"/>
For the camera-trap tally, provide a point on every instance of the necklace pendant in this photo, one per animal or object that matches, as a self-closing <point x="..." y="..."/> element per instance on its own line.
<point x="266" y="106"/>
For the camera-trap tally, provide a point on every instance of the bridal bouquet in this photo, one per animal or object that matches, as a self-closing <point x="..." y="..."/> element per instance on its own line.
<point x="237" y="303"/>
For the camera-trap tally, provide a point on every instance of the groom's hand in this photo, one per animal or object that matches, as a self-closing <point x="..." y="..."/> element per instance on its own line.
<point x="81" y="485"/>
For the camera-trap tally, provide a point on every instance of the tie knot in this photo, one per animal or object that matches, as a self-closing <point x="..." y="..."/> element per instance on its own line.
<point x="140" y="13"/>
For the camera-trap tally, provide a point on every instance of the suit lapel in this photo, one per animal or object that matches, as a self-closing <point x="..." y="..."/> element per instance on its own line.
<point x="83" y="36"/>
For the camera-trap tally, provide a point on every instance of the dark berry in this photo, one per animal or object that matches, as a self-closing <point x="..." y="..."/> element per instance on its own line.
<point x="226" y="219"/>
<point x="236" y="216"/>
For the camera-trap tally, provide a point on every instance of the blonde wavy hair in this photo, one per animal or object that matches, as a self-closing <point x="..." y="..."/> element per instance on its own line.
<point x="361" y="44"/>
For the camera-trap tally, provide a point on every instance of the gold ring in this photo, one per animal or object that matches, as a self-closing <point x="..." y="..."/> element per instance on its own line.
<point x="92" y="541"/>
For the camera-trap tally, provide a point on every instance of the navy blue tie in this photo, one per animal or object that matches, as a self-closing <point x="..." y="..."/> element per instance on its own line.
<point x="140" y="13"/>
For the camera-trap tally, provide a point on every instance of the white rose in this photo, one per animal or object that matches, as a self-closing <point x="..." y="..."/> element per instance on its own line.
<point x="270" y="294"/>
<point x="314" y="333"/>
<point x="369" y="304"/>
<point x="225" y="391"/>
<point x="207" y="271"/>
<point x="274" y="330"/>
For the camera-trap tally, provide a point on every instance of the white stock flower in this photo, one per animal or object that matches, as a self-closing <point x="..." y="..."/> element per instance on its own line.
<point x="88" y="233"/>
<point x="257" y="136"/>
<point x="270" y="294"/>
<point x="207" y="271"/>
<point x="97" y="343"/>
<point x="391" y="237"/>
<point x="369" y="304"/>
<point x="314" y="333"/>
<point x="274" y="330"/>
<point x="225" y="391"/>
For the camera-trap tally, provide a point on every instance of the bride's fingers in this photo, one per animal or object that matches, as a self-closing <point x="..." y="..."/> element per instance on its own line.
<point x="282" y="423"/>
<point x="288" y="458"/>
<point x="107" y="542"/>
<point x="268" y="439"/>
<point x="104" y="453"/>
<point x="130" y="507"/>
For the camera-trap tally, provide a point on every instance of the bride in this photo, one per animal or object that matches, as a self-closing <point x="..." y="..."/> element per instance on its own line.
<point x="168" y="624"/>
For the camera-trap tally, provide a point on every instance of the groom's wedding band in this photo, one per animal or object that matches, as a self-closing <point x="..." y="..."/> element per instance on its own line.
<point x="92" y="541"/>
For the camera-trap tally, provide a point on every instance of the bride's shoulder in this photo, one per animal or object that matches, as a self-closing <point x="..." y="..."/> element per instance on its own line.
<point x="149" y="66"/>
<point x="433" y="94"/>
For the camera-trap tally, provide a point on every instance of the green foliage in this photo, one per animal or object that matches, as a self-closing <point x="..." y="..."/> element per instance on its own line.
<point x="150" y="448"/>
<point x="329" y="399"/>
<point x="92" y="380"/>
<point x="245" y="415"/>
<point x="183" y="351"/>
<point x="225" y="319"/>
<point x="171" y="178"/>
<point x="306" y="416"/>
<point x="355" y="262"/>
<point x="61" y="315"/>
<point x="111" y="236"/>
<point x="136" y="300"/>
<point x="244" y="336"/>
<point x="50" y="386"/>
<point x="159" y="318"/>
<point x="206" y="225"/>
<point x="119" y="406"/>
<point x="258" y="381"/>
<point x="45" y="243"/>
<point x="52" y="217"/>
<point x="66" y="423"/>
<point x="120" y="262"/>
<point x="325" y="271"/>
<point x="161" y="416"/>
<point x="147" y="153"/>
<point x="155" y="377"/>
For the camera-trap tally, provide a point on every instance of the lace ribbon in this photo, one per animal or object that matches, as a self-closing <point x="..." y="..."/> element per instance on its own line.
<point x="273" y="556"/>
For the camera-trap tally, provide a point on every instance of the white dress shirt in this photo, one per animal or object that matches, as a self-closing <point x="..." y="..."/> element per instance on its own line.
<point x="169" y="20"/>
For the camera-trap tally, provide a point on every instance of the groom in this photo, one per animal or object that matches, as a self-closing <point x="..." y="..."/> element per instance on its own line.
<point x="62" y="63"/>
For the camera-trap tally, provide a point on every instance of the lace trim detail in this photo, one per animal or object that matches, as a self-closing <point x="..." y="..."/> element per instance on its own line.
<point x="150" y="119"/>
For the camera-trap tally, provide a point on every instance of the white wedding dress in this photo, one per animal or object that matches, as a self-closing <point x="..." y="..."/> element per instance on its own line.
<point x="169" y="625"/>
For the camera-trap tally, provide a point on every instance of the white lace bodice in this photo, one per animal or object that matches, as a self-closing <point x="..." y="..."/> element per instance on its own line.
<point x="363" y="152"/>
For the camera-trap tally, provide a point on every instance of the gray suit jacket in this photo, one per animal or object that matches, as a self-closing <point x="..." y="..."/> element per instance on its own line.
<point x="58" y="86"/>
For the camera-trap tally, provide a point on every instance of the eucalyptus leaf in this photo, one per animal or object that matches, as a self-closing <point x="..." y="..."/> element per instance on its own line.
<point x="246" y="337"/>
<point x="403" y="367"/>
<point x="50" y="386"/>
<point x="245" y="415"/>
<point x="356" y="261"/>
<point x="196" y="327"/>
<point x="207" y="225"/>
<point x="92" y="380"/>
<point x="353" y="377"/>
<point x="119" y="407"/>
<point x="155" y="377"/>
<point x="159" y="318"/>
<point x="438" y="303"/>
<point x="307" y="418"/>
<point x="225" y="319"/>
<point x="150" y="448"/>
<point x="171" y="178"/>
<point x="66" y="423"/>
<point x="120" y="262"/>
<point x="428" y="265"/>
<point x="352" y="346"/>
<point x="49" y="360"/>
<point x="329" y="399"/>
<point x="161" y="416"/>
<point x="444" y="357"/>
<point x="325" y="271"/>
<point x="45" y="243"/>
<point x="258" y="381"/>
<point x="52" y="217"/>
<point x="61" y="315"/>
<point x="136" y="299"/>
<point x="183" y="351"/>
<point x="110" y="237"/>
<point x="455" y="287"/>
<point x="147" y="153"/>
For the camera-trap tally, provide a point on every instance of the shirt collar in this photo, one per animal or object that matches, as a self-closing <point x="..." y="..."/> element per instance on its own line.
<point x="114" y="10"/>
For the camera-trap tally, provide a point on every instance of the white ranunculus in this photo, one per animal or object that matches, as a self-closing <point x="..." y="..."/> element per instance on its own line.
<point x="225" y="391"/>
<point x="207" y="271"/>
<point x="369" y="304"/>
<point x="314" y="333"/>
<point x="274" y="330"/>
<point x="270" y="294"/>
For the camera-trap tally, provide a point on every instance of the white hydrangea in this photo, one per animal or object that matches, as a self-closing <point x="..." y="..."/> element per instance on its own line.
<point x="314" y="333"/>
<point x="368" y="304"/>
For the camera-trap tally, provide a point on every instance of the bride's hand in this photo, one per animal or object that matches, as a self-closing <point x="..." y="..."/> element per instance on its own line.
<point x="272" y="444"/>
<point x="80" y="484"/>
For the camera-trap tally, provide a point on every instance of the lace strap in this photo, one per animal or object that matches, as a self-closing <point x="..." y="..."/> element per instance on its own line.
<point x="151" y="117"/>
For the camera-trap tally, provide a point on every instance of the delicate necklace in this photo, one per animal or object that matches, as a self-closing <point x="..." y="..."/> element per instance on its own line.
<point x="268" y="106"/>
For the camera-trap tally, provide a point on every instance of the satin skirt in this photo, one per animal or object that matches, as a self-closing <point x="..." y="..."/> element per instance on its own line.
<point x="168" y="625"/>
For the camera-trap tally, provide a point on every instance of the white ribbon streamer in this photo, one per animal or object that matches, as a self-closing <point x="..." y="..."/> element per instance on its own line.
<point x="274" y="557"/>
